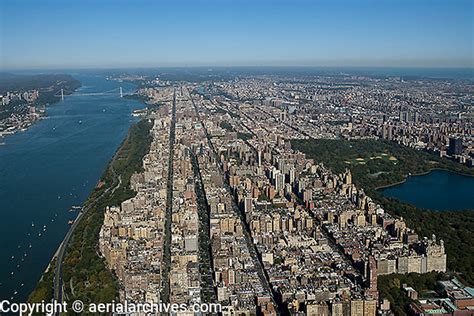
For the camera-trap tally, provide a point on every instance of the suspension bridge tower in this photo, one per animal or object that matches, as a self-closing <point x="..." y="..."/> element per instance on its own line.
<point x="62" y="94"/>
<point x="121" y="92"/>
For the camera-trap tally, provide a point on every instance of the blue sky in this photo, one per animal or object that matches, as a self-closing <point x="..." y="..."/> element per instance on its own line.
<point x="141" y="33"/>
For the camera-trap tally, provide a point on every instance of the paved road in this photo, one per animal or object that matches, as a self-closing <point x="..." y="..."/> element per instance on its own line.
<point x="166" y="264"/>
<point x="58" y="282"/>
<point x="208" y="291"/>
<point x="250" y="244"/>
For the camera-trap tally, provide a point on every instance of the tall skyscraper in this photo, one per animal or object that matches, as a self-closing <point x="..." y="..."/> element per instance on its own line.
<point x="455" y="146"/>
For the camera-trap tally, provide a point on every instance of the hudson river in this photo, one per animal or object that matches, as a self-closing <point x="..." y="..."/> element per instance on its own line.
<point x="49" y="168"/>
<point x="438" y="190"/>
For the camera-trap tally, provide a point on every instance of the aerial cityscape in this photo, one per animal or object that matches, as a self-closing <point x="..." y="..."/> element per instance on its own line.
<point x="207" y="168"/>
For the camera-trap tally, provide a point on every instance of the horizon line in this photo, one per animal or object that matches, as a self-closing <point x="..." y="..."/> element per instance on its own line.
<point x="7" y="69"/>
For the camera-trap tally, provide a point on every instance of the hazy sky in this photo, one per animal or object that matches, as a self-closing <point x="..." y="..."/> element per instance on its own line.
<point x="137" y="33"/>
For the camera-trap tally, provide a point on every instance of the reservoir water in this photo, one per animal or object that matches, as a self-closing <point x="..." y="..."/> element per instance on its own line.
<point x="49" y="168"/>
<point x="438" y="190"/>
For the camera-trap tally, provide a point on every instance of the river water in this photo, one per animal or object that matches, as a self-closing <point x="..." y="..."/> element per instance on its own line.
<point x="49" y="168"/>
<point x="438" y="190"/>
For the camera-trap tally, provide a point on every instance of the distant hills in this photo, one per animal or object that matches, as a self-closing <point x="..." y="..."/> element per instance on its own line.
<point x="45" y="82"/>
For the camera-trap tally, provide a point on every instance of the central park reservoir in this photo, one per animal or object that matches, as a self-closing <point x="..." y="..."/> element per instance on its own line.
<point x="439" y="190"/>
<point x="50" y="167"/>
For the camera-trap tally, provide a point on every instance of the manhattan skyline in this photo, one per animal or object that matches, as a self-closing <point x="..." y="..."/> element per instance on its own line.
<point x="237" y="157"/>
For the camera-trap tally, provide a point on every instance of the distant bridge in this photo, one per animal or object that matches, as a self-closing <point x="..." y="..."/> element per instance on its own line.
<point x="116" y="91"/>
